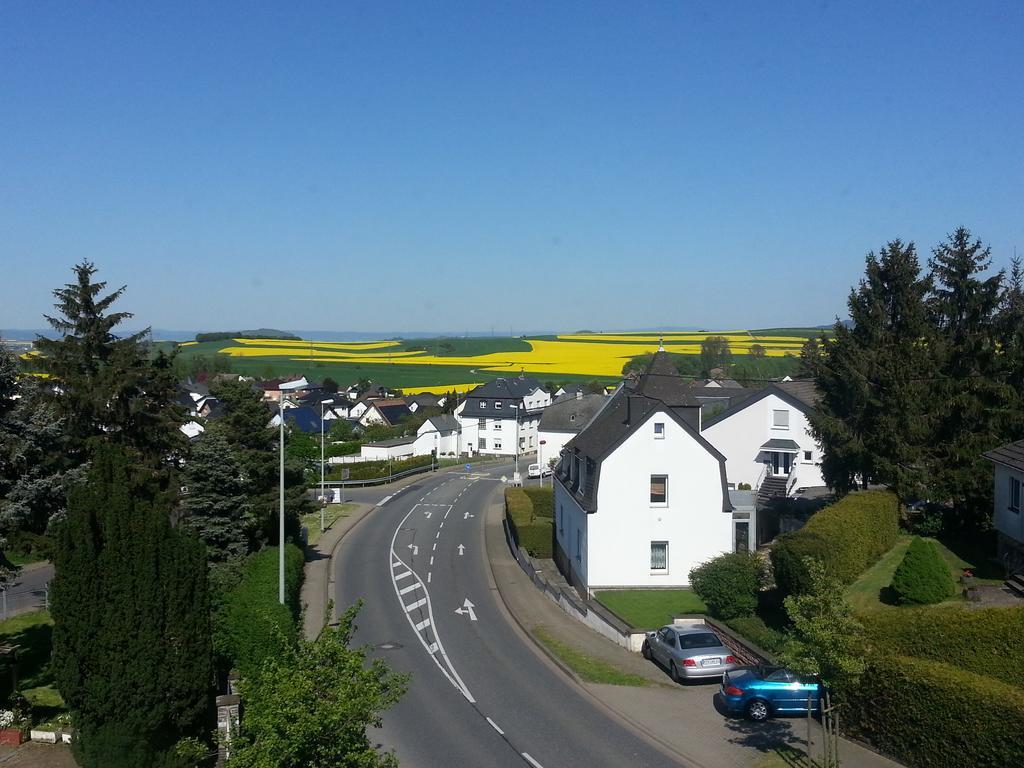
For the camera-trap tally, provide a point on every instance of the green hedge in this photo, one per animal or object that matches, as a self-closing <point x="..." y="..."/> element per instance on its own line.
<point x="756" y="631"/>
<point x="932" y="715"/>
<point x="847" y="537"/>
<point x="543" y="500"/>
<point x="533" y="533"/>
<point x="728" y="584"/>
<point x="922" y="578"/>
<point x="374" y="470"/>
<point x="987" y="641"/>
<point x="251" y="624"/>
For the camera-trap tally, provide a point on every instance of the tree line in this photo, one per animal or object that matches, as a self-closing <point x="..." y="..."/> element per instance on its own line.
<point x="925" y="376"/>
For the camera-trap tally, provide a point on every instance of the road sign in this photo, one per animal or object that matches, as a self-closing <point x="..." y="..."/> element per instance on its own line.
<point x="469" y="467"/>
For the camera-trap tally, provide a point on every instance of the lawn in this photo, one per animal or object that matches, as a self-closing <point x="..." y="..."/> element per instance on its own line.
<point x="650" y="608"/>
<point x="587" y="667"/>
<point x="33" y="634"/>
<point x="870" y="591"/>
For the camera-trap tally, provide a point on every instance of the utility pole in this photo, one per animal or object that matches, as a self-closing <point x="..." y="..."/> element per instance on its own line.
<point x="323" y="493"/>
<point x="280" y="540"/>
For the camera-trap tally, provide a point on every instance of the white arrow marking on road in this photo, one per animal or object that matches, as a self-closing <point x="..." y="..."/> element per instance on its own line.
<point x="467" y="607"/>
<point x="427" y="515"/>
<point x="466" y="516"/>
<point x="462" y="549"/>
<point x="415" y="549"/>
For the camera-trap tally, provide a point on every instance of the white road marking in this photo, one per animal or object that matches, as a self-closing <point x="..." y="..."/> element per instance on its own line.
<point x="435" y="547"/>
<point x="431" y="559"/>
<point x="467" y="608"/>
<point x="494" y="725"/>
<point x="402" y="575"/>
<point x="428" y="577"/>
<point x="531" y="761"/>
<point x="423" y="625"/>
<point x="438" y="534"/>
<point x="466" y="515"/>
<point x="409" y="589"/>
<point x="383" y="501"/>
<point x="441" y="525"/>
<point x="462" y="549"/>
<point x="413" y="606"/>
<point x="432" y="649"/>
<point x="415" y="549"/>
<point x="446" y="513"/>
<point x="427" y="515"/>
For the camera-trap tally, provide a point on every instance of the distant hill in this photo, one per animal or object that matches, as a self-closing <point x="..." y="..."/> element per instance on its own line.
<point x="259" y="333"/>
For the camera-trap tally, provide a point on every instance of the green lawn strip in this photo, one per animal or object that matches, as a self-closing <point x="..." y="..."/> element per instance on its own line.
<point x="650" y="608"/>
<point x="21" y="559"/>
<point x="332" y="514"/>
<point x="33" y="634"/>
<point x="978" y="565"/>
<point x="588" y="668"/>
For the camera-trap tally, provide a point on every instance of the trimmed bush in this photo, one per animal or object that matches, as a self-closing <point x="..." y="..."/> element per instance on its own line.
<point x="847" y="537"/>
<point x="543" y="500"/>
<point x="374" y="470"/>
<point x="932" y="715"/>
<point x="986" y="641"/>
<point x="754" y="629"/>
<point x="251" y="624"/>
<point x="923" y="576"/>
<point x="728" y="584"/>
<point x="532" y="533"/>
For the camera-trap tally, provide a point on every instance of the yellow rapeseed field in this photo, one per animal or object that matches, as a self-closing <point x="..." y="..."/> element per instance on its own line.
<point x="579" y="354"/>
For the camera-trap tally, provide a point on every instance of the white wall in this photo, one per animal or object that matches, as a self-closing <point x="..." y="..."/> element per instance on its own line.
<point x="619" y="534"/>
<point x="428" y="439"/>
<point x="740" y="436"/>
<point x="554" y="442"/>
<point x="1009" y="523"/>
<point x="379" y="452"/>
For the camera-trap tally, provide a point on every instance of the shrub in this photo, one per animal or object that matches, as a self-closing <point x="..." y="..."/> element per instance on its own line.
<point x="728" y="584"/>
<point x="932" y="715"/>
<point x="543" y="500"/>
<point x="250" y="623"/>
<point x="847" y="537"/>
<point x="532" y="533"/>
<point x="986" y="641"/>
<point x="754" y="629"/>
<point x="922" y="578"/>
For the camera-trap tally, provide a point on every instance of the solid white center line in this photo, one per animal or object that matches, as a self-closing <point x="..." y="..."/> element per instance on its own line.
<point x="494" y="725"/>
<point x="531" y="761"/>
<point x="413" y="606"/>
<point x="409" y="589"/>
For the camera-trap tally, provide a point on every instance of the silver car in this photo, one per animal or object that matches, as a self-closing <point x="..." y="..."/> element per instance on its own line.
<point x="691" y="652"/>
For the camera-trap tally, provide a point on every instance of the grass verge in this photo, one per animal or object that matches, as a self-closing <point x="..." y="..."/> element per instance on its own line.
<point x="587" y="667"/>
<point x="33" y="634"/>
<point x="650" y="608"/>
<point x="332" y="513"/>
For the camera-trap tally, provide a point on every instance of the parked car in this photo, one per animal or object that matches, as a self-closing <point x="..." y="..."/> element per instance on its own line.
<point x="763" y="691"/>
<point x="690" y="652"/>
<point x="534" y="470"/>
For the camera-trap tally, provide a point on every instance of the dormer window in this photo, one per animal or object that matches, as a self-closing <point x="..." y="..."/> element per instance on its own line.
<point x="497" y="404"/>
<point x="483" y="403"/>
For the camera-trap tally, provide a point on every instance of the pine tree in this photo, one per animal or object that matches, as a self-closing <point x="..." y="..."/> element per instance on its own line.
<point x="216" y="506"/>
<point x="1010" y="334"/>
<point x="873" y="417"/>
<point x="131" y="643"/>
<point x="810" y="359"/>
<point x="972" y="398"/>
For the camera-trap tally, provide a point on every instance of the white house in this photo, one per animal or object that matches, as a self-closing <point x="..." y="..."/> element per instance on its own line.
<point x="439" y="434"/>
<point x="1007" y="514"/>
<point x="766" y="440"/>
<point x="640" y="495"/>
<point x="564" y="419"/>
<point x="389" y="412"/>
<point x="494" y="415"/>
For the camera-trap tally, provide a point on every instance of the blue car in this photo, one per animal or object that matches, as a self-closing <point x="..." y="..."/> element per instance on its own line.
<point x="763" y="691"/>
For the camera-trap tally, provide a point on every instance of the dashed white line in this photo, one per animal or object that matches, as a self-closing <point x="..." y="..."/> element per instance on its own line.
<point x="435" y="547"/>
<point x="428" y="577"/>
<point x="431" y="559"/>
<point x="413" y="606"/>
<point x="531" y="761"/>
<point x="438" y="534"/>
<point x="494" y="725"/>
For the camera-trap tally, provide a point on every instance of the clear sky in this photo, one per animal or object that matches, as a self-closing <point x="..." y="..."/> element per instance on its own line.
<point x="462" y="165"/>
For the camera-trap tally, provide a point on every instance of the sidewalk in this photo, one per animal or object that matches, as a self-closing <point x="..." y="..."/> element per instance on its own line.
<point x="682" y="719"/>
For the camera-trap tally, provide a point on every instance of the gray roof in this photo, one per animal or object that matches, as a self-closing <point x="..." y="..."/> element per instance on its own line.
<point x="392" y="442"/>
<point x="778" y="444"/>
<point x="659" y="388"/>
<point x="1010" y="455"/>
<point x="571" y="414"/>
<point x="443" y="423"/>
<point x="801" y="394"/>
<point x="743" y="501"/>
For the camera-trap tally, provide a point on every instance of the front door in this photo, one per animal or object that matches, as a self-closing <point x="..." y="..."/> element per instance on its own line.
<point x="781" y="463"/>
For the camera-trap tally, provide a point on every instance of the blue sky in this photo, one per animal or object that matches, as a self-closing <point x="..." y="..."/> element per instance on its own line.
<point x="457" y="166"/>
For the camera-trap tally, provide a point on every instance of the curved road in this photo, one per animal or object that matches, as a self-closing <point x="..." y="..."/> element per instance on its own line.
<point x="479" y="695"/>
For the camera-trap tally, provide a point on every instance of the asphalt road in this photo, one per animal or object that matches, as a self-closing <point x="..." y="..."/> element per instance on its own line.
<point x="480" y="694"/>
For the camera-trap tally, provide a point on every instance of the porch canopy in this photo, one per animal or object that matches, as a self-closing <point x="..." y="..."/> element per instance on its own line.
<point x="776" y="445"/>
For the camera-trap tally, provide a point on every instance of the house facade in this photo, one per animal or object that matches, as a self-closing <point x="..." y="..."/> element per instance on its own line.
<point x="439" y="434"/>
<point x="388" y="412"/>
<point x="563" y="420"/>
<point x="497" y="417"/>
<point x="766" y="440"/>
<point x="1007" y="513"/>
<point x="640" y="495"/>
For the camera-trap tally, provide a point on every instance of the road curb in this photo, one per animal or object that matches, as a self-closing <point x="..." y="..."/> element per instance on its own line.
<point x="495" y="514"/>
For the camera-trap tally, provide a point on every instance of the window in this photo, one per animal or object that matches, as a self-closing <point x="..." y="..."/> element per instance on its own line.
<point x="496" y="424"/>
<point x="780" y="419"/>
<point x="483" y="403"/>
<point x="1014" y="494"/>
<point x="481" y="423"/>
<point x="659" y="489"/>
<point x="522" y="442"/>
<point x="659" y="430"/>
<point x="741" y="536"/>
<point x="807" y="455"/>
<point x="659" y="556"/>
<point x="482" y="443"/>
<point x="579" y="545"/>
<point x="497" y="445"/>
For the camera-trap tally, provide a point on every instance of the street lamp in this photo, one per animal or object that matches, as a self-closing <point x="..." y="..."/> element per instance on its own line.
<point x="280" y="540"/>
<point x="323" y="496"/>
<point x="515" y="475"/>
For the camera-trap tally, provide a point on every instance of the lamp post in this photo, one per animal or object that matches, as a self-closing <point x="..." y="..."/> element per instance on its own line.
<point x="280" y="540"/>
<point x="323" y="496"/>
<point x="516" y="480"/>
